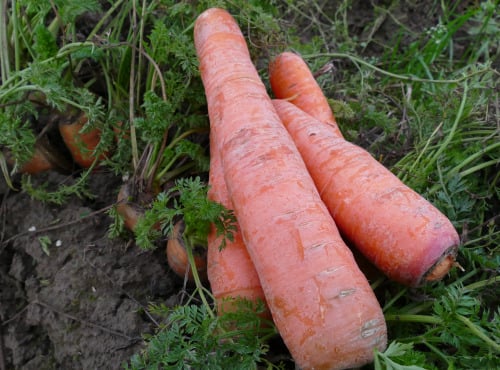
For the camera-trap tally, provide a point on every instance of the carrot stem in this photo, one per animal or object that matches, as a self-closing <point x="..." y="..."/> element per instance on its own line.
<point x="197" y="280"/>
<point x="423" y="319"/>
<point x="480" y="166"/>
<point x="15" y="37"/>
<point x="103" y="19"/>
<point x="4" y="43"/>
<point x="482" y="283"/>
<point x="437" y="352"/>
<point x="394" y="299"/>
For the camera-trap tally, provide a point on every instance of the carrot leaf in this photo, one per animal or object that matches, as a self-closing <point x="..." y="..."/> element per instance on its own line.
<point x="16" y="136"/>
<point x="186" y="199"/>
<point x="399" y="352"/>
<point x="192" y="338"/>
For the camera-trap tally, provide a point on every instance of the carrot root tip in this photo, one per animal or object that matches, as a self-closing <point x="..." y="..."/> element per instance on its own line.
<point x="442" y="266"/>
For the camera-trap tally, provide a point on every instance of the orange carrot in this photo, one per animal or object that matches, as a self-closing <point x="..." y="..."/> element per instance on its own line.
<point x="292" y="80"/>
<point x="46" y="156"/>
<point x="231" y="272"/>
<point x="38" y="163"/>
<point x="398" y="230"/>
<point x="177" y="256"/>
<point x="129" y="210"/>
<point x="320" y="301"/>
<point x="80" y="145"/>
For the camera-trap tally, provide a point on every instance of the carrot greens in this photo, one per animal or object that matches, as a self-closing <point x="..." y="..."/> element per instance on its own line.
<point x="193" y="338"/>
<point x="187" y="199"/>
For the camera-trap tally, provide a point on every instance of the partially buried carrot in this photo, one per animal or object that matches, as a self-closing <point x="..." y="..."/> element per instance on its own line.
<point x="321" y="303"/>
<point x="81" y="145"/>
<point x="177" y="256"/>
<point x="230" y="271"/>
<point x="39" y="162"/>
<point x="398" y="230"/>
<point x="292" y="80"/>
<point x="46" y="156"/>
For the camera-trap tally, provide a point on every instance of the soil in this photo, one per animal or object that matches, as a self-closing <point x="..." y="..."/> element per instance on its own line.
<point x="79" y="304"/>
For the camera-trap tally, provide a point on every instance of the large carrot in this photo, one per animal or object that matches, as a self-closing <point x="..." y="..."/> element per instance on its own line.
<point x="231" y="272"/>
<point x="398" y="230"/>
<point x="292" y="80"/>
<point x="321" y="303"/>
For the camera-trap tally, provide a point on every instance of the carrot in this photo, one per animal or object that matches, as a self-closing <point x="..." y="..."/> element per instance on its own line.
<point x="81" y="145"/>
<point x="398" y="230"/>
<point x="231" y="272"/>
<point x="39" y="162"/>
<point x="47" y="156"/>
<point x="321" y="303"/>
<point x="129" y="210"/>
<point x="177" y="256"/>
<point x="292" y="80"/>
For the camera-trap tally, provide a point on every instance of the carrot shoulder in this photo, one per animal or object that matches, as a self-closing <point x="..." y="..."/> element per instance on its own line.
<point x="81" y="145"/>
<point x="321" y="303"/>
<point x="398" y="230"/>
<point x="231" y="272"/>
<point x="39" y="162"/>
<point x="292" y="80"/>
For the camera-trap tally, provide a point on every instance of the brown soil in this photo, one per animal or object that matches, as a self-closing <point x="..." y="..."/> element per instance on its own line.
<point x="81" y="307"/>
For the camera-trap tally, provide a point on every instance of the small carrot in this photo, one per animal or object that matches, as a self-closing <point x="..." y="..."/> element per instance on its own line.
<point x="47" y="156"/>
<point x="129" y="210"/>
<point x="38" y="163"/>
<point x="81" y="145"/>
<point x="292" y="80"/>
<point x="321" y="303"/>
<point x="177" y="256"/>
<point x="231" y="272"/>
<point x="398" y="230"/>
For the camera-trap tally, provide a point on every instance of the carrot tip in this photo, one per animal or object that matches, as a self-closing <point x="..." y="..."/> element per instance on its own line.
<point x="441" y="267"/>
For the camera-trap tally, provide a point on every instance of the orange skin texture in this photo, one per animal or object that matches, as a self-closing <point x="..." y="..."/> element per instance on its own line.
<point x="321" y="303"/>
<point x="177" y="257"/>
<point x="292" y="80"/>
<point x="398" y="230"/>
<point x="127" y="209"/>
<point x="37" y="164"/>
<point x="231" y="272"/>
<point x="80" y="145"/>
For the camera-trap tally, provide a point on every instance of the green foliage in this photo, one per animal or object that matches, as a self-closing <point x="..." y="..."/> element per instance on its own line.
<point x="45" y="45"/>
<point x="186" y="199"/>
<point x="195" y="338"/>
<point x="397" y="353"/>
<point x="157" y="118"/>
<point x="16" y="135"/>
<point x="61" y="194"/>
<point x="45" y="243"/>
<point x="40" y="83"/>
<point x="117" y="227"/>
<point x="455" y="200"/>
<point x="69" y="10"/>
